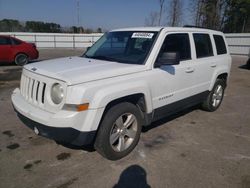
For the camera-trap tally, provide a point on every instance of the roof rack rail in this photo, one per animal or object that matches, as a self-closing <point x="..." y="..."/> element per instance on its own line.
<point x="193" y="26"/>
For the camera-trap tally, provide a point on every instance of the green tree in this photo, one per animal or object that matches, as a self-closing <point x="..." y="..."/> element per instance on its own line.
<point x="9" y="25"/>
<point x="237" y="16"/>
<point x="88" y="30"/>
<point x="99" y="30"/>
<point x="209" y="13"/>
<point x="34" y="26"/>
<point x="224" y="15"/>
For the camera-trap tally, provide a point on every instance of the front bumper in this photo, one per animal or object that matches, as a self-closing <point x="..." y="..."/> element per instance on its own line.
<point x="65" y="126"/>
<point x="64" y="135"/>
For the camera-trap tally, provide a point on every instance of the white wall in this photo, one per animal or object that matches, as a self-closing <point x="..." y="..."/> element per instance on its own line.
<point x="239" y="44"/>
<point x="57" y="40"/>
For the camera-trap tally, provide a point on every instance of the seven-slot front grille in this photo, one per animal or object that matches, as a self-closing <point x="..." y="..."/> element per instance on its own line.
<point x="33" y="90"/>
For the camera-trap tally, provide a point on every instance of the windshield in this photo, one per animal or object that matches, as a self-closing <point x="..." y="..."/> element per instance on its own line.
<point x="130" y="47"/>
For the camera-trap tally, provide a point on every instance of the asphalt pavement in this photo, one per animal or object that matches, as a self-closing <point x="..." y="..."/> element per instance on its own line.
<point x="191" y="149"/>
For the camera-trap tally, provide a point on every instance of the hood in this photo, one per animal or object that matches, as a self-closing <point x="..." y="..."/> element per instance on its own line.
<point x="76" y="70"/>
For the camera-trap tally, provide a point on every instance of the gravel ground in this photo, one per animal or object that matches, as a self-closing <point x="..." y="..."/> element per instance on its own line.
<point x="192" y="149"/>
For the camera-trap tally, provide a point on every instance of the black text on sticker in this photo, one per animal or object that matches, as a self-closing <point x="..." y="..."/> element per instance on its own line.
<point x="143" y="35"/>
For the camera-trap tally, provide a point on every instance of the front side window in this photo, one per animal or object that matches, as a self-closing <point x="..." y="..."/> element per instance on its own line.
<point x="203" y="45"/>
<point x="4" y="41"/>
<point x="220" y="44"/>
<point x="177" y="43"/>
<point x="131" y="47"/>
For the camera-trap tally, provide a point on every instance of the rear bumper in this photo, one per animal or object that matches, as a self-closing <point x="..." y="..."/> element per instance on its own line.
<point x="65" y="135"/>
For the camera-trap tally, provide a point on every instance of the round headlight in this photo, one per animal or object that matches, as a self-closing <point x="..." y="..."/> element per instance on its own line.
<point x="57" y="93"/>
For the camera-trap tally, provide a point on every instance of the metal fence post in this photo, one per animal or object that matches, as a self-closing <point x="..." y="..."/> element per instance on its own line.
<point x="74" y="44"/>
<point x="35" y="39"/>
<point x="54" y="41"/>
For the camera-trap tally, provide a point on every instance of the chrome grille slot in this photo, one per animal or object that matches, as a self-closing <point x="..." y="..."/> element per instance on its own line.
<point x="37" y="90"/>
<point x="43" y="92"/>
<point x="21" y="85"/>
<point x="29" y="88"/>
<point x="33" y="90"/>
<point x="34" y="94"/>
<point x="25" y="87"/>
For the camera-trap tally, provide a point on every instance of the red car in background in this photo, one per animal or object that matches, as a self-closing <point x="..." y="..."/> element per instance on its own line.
<point x="16" y="50"/>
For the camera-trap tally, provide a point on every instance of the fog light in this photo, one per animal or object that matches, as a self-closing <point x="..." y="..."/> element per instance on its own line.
<point x="36" y="130"/>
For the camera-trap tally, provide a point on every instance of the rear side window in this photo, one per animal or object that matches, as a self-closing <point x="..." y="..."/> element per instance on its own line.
<point x="4" y="41"/>
<point x="203" y="45"/>
<point x="177" y="43"/>
<point x="220" y="44"/>
<point x="16" y="42"/>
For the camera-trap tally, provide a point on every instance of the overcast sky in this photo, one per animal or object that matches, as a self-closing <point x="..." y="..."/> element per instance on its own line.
<point x="107" y="14"/>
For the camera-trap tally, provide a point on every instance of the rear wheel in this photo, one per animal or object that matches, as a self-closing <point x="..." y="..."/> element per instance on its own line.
<point x="21" y="59"/>
<point x="119" y="131"/>
<point x="215" y="96"/>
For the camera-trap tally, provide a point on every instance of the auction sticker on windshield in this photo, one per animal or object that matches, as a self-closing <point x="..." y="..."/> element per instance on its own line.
<point x="142" y="35"/>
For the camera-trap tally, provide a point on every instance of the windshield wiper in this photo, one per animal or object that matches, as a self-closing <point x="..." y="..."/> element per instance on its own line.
<point x="84" y="55"/>
<point x="101" y="57"/>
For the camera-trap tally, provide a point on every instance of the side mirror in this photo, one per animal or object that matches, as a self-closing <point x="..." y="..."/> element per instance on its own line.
<point x="169" y="58"/>
<point x="88" y="48"/>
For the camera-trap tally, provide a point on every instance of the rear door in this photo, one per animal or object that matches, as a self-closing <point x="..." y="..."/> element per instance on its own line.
<point x="204" y="61"/>
<point x="223" y="58"/>
<point x="5" y="49"/>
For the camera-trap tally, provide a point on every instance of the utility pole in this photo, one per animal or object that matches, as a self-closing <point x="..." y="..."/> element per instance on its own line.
<point x="78" y="12"/>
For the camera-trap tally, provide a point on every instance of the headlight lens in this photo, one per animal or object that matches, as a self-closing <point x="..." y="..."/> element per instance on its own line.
<point x="57" y="93"/>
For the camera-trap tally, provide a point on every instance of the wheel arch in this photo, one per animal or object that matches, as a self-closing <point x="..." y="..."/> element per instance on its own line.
<point x="220" y="75"/>
<point x="223" y="77"/>
<point x="17" y="53"/>
<point x="130" y="92"/>
<point x="137" y="99"/>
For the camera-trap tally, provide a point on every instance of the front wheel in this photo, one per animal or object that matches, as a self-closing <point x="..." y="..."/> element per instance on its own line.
<point x="119" y="131"/>
<point x="21" y="59"/>
<point x="215" y="96"/>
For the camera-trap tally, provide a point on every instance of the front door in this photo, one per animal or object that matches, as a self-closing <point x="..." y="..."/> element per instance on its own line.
<point x="172" y="83"/>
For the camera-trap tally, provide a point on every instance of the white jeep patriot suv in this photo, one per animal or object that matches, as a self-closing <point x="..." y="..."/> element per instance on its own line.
<point x="127" y="79"/>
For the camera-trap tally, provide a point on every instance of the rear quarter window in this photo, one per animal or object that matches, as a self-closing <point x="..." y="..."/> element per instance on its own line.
<point x="220" y="44"/>
<point x="203" y="45"/>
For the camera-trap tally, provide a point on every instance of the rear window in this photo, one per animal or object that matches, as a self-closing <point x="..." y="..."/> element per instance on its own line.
<point x="203" y="45"/>
<point x="16" y="42"/>
<point x="220" y="45"/>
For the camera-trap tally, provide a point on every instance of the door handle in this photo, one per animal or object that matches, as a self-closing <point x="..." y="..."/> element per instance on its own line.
<point x="189" y="70"/>
<point x="213" y="65"/>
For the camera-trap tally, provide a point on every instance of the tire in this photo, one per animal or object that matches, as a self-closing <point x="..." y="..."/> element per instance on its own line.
<point x="119" y="131"/>
<point x="215" y="96"/>
<point x="248" y="63"/>
<point x="21" y="59"/>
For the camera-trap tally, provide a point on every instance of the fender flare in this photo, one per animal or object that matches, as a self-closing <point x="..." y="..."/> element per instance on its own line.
<point x="222" y="70"/>
<point x="108" y="94"/>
